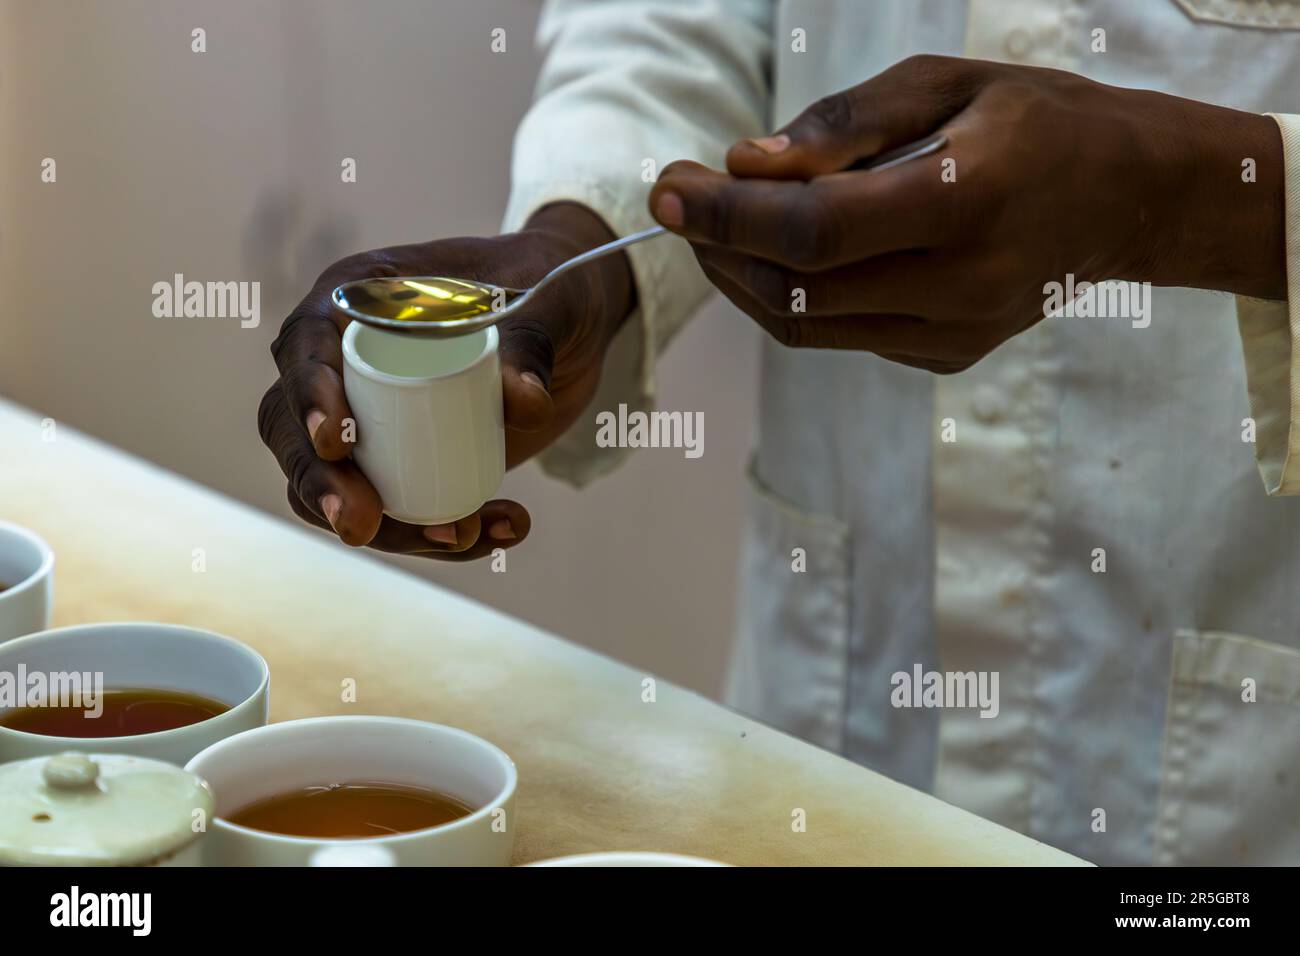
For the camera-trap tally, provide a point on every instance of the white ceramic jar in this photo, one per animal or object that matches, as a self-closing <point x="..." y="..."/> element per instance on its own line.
<point x="430" y="425"/>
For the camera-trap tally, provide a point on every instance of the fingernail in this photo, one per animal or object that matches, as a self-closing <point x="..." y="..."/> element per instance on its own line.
<point x="331" y="505"/>
<point x="532" y="379"/>
<point x="314" y="418"/>
<point x="772" y="144"/>
<point x="669" y="210"/>
<point x="442" y="534"/>
<point x="502" y="530"/>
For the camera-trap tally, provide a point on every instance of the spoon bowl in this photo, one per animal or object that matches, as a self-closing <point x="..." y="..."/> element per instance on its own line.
<point x="442" y="307"/>
<point x="433" y="306"/>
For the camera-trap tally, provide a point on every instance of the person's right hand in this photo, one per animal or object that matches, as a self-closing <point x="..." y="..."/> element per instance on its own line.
<point x="551" y="355"/>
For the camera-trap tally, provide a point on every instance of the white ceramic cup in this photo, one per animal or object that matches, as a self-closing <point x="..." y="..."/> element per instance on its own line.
<point x="285" y="757"/>
<point x="144" y="656"/>
<point x="27" y="575"/>
<point x="430" y="426"/>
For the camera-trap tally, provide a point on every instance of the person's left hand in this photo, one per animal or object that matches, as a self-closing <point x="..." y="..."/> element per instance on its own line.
<point x="937" y="261"/>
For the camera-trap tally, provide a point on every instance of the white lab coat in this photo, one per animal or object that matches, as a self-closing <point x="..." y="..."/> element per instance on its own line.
<point x="1122" y="733"/>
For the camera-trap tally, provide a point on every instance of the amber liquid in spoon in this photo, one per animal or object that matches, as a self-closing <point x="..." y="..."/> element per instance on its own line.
<point x="426" y="299"/>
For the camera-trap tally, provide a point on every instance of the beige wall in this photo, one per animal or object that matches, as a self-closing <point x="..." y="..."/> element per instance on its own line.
<point x="225" y="166"/>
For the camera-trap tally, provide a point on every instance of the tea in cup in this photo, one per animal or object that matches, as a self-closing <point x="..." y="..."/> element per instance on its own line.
<point x="161" y="691"/>
<point x="426" y="794"/>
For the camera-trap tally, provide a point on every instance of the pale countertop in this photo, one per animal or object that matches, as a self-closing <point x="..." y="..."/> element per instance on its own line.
<point x="598" y="768"/>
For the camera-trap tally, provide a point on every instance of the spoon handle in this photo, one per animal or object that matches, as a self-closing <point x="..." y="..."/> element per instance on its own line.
<point x="896" y="157"/>
<point x="596" y="253"/>
<point x="921" y="147"/>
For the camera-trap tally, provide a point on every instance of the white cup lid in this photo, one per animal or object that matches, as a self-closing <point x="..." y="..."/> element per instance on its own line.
<point x="78" y="809"/>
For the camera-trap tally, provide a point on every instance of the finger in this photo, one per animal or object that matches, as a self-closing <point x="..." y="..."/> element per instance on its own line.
<point x="396" y="537"/>
<point x="309" y="353"/>
<point x="903" y="334"/>
<point x="832" y="221"/>
<point x="527" y="361"/>
<point x="904" y="103"/>
<point x="303" y="512"/>
<point x="847" y="307"/>
<point x="497" y="524"/>
<point x="936" y="366"/>
<point x="504" y="524"/>
<point x="334" y="491"/>
<point x="914" y="282"/>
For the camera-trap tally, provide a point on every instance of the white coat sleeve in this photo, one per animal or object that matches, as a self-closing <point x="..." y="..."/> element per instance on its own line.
<point x="627" y="87"/>
<point x="1270" y="338"/>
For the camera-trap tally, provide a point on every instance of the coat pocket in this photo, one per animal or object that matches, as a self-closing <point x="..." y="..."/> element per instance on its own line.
<point x="1230" y="779"/>
<point x="1257" y="14"/>
<point x="790" y="665"/>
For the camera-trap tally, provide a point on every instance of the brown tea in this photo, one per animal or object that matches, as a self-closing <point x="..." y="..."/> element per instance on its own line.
<point x="351" y="810"/>
<point x="125" y="713"/>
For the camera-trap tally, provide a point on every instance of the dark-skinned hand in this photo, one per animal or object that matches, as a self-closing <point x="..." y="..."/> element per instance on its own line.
<point x="1051" y="174"/>
<point x="551" y="353"/>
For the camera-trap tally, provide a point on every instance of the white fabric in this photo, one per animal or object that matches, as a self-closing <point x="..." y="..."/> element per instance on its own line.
<point x="1269" y="332"/>
<point x="1122" y="733"/>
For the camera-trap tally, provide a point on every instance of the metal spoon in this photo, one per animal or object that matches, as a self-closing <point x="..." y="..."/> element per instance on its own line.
<point x="441" y="307"/>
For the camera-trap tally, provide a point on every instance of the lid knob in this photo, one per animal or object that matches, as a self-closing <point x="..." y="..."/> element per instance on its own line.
<point x="70" y="772"/>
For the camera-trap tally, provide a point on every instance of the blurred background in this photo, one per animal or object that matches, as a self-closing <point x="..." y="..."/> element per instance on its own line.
<point x="225" y="166"/>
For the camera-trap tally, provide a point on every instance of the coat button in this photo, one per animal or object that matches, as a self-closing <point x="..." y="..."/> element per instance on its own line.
<point x="1018" y="44"/>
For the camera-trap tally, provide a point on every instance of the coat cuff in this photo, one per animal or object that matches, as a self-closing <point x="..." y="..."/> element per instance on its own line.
<point x="1270" y="339"/>
<point x="627" y="376"/>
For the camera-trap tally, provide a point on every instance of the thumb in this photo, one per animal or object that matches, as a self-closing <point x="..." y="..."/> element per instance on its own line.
<point x="527" y="361"/>
<point x="901" y="105"/>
